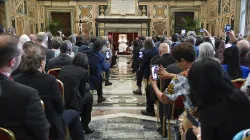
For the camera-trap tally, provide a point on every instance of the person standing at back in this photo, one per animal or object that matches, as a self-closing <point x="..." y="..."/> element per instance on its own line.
<point x="21" y="109"/>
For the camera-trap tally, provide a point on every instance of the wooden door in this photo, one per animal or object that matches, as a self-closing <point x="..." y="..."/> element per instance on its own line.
<point x="65" y="21"/>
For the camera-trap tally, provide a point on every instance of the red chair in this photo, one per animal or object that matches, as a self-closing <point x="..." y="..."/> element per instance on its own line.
<point x="55" y="72"/>
<point x="239" y="82"/>
<point x="61" y="87"/>
<point x="6" y="134"/>
<point x="42" y="104"/>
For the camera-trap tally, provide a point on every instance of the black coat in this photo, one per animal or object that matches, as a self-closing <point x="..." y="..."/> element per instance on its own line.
<point x="50" y="93"/>
<point x="74" y="79"/>
<point x="21" y="111"/>
<point x="59" y="61"/>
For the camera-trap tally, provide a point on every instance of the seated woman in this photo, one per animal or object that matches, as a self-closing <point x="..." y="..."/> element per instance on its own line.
<point x="184" y="54"/>
<point x="223" y="109"/>
<point x="77" y="95"/>
<point x="231" y="63"/>
<point x="32" y="66"/>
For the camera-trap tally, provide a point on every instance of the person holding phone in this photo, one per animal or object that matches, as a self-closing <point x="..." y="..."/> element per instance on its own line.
<point x="223" y="109"/>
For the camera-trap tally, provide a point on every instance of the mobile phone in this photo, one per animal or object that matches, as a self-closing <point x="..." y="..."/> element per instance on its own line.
<point x="154" y="71"/>
<point x="192" y="119"/>
<point x="201" y="30"/>
<point x="107" y="55"/>
<point x="228" y="28"/>
<point x="183" y="31"/>
<point x="140" y="54"/>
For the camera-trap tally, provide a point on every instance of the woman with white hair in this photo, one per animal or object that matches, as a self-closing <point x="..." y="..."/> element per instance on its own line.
<point x="206" y="50"/>
<point x="24" y="38"/>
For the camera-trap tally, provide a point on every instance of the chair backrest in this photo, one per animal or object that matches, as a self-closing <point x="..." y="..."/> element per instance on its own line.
<point x="42" y="103"/>
<point x="6" y="134"/>
<point x="238" y="82"/>
<point x="61" y="87"/>
<point x="55" y="72"/>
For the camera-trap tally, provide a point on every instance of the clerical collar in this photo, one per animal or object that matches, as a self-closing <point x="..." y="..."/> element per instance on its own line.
<point x="5" y="73"/>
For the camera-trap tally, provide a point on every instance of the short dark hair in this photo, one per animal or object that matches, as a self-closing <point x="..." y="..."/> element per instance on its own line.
<point x="162" y="39"/>
<point x="81" y="60"/>
<point x="81" y="40"/>
<point x="27" y="44"/>
<point x="56" y="43"/>
<point x="174" y="38"/>
<point x="98" y="44"/>
<point x="184" y="51"/>
<point x="148" y="44"/>
<point x="65" y="48"/>
<point x="31" y="60"/>
<point x="199" y="40"/>
<point x="8" y="48"/>
<point x="93" y="39"/>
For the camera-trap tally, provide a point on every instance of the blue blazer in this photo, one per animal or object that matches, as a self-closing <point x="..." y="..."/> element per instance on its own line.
<point x="245" y="70"/>
<point x="147" y="56"/>
<point x="97" y="64"/>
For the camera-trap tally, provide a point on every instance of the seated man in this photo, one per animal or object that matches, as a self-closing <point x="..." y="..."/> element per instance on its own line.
<point x="21" y="109"/>
<point x="163" y="59"/>
<point x="97" y="64"/>
<point x="63" y="59"/>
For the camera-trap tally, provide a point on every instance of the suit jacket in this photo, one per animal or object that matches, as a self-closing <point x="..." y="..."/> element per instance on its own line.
<point x="165" y="60"/>
<point x="74" y="79"/>
<point x="50" y="93"/>
<point x="49" y="54"/>
<point x="147" y="56"/>
<point x="59" y="61"/>
<point x="97" y="64"/>
<point x="21" y="111"/>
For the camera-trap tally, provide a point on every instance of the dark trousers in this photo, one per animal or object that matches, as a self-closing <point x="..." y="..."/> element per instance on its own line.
<point x="139" y="77"/>
<point x="71" y="118"/>
<point x="86" y="110"/>
<point x="150" y="102"/>
<point x="107" y="75"/>
<point x="99" y="90"/>
<point x="113" y="61"/>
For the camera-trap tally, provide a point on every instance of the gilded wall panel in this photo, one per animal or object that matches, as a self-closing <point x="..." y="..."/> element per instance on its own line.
<point x="159" y="28"/>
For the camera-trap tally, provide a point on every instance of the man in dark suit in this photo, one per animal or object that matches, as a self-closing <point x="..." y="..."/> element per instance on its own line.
<point x="149" y="52"/>
<point x="42" y="39"/>
<point x="21" y="109"/>
<point x="163" y="59"/>
<point x="63" y="59"/>
<point x="97" y="64"/>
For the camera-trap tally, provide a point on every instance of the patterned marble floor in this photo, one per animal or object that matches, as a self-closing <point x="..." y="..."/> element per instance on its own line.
<point x="119" y="117"/>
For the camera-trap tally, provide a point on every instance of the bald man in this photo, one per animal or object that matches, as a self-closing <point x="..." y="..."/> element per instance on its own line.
<point x="164" y="58"/>
<point x="21" y="109"/>
<point x="244" y="53"/>
<point x="33" y="38"/>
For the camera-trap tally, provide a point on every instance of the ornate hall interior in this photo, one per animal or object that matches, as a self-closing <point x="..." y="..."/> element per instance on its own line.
<point x="119" y="117"/>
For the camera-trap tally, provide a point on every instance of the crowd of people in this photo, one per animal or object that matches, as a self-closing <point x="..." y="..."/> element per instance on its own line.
<point x="194" y="72"/>
<point x="27" y="60"/>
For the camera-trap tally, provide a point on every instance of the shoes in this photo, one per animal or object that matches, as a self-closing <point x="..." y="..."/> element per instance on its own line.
<point x="108" y="83"/>
<point x="137" y="92"/>
<point x="146" y="113"/>
<point x="159" y="130"/>
<point x="89" y="131"/>
<point x="101" y="99"/>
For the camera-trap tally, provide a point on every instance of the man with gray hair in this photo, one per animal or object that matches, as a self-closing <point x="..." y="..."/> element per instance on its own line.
<point x="72" y="39"/>
<point x="192" y="40"/>
<point x="42" y="39"/>
<point x="63" y="59"/>
<point x="244" y="53"/>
